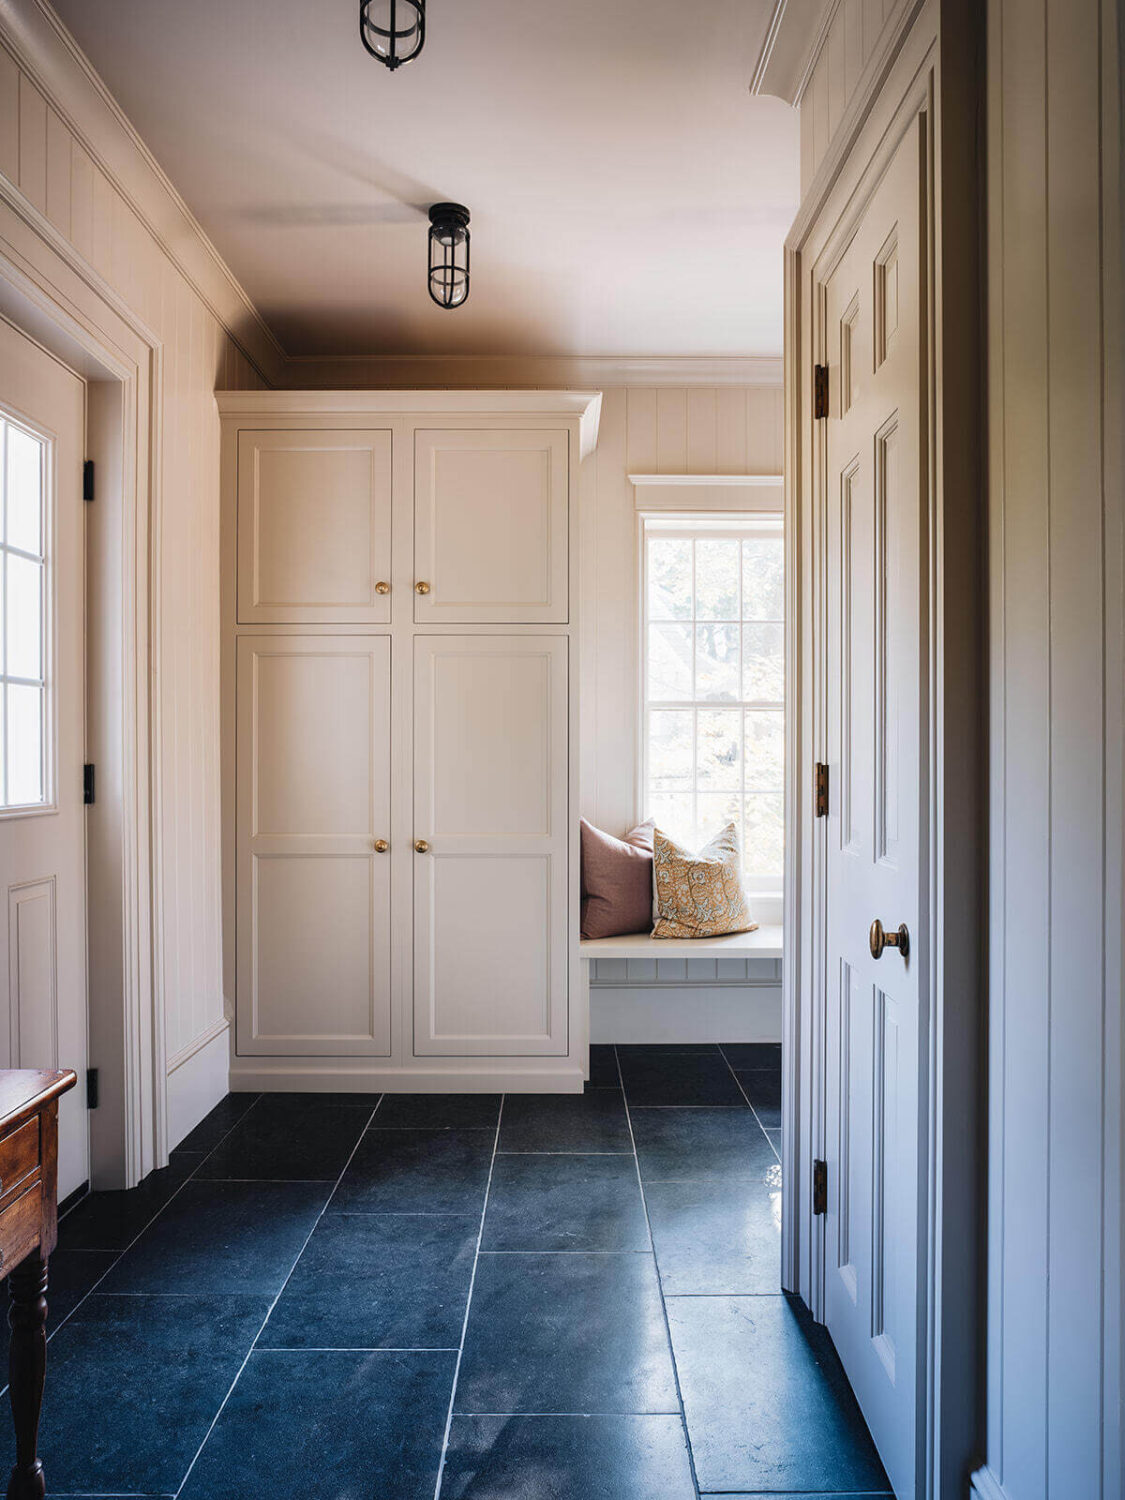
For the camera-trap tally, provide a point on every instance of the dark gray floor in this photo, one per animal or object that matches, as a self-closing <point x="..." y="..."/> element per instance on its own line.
<point x="482" y="1298"/>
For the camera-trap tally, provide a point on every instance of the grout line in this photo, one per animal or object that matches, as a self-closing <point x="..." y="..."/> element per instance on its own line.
<point x="659" y="1280"/>
<point x="277" y="1298"/>
<point x="144" y="1227"/>
<point x="468" y="1304"/>
<point x="753" y="1111"/>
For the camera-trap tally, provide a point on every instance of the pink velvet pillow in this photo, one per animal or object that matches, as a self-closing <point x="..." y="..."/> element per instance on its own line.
<point x="616" y="882"/>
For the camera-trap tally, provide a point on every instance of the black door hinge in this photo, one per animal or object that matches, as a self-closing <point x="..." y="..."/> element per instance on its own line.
<point x="91" y="1088"/>
<point x="820" y="391"/>
<point x="819" y="1187"/>
<point x="88" y="479"/>
<point x="88" y="785"/>
<point x="821" y="789"/>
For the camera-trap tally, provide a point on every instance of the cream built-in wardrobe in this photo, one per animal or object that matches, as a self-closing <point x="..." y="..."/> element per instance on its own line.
<point x="400" y="737"/>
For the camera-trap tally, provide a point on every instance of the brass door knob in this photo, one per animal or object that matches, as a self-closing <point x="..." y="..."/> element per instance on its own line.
<point x="381" y="846"/>
<point x="421" y="588"/>
<point x="382" y="587"/>
<point x="421" y="847"/>
<point x="879" y="939"/>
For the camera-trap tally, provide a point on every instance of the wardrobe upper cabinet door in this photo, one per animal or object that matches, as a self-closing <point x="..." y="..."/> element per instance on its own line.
<point x="313" y="890"/>
<point x="490" y="810"/>
<point x="491" y="527"/>
<point x="314" y="526"/>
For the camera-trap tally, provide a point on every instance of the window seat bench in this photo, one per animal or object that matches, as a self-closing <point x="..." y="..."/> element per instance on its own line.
<point x="682" y="990"/>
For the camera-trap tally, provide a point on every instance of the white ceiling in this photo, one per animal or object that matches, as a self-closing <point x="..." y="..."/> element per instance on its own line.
<point x="629" y="196"/>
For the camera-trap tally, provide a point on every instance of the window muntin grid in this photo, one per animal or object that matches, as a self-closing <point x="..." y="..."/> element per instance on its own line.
<point x="24" y="457"/>
<point x="713" y="690"/>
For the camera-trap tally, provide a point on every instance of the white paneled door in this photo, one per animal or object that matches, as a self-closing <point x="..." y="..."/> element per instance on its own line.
<point x="314" y="527"/>
<point x="491" y="793"/>
<point x="875" y="1032"/>
<point x="42" y="729"/>
<point x="491" y="527"/>
<point x="313" y="830"/>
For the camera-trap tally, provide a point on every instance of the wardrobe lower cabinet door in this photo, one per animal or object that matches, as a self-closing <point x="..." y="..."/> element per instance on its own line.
<point x="491" y="778"/>
<point x="313" y="894"/>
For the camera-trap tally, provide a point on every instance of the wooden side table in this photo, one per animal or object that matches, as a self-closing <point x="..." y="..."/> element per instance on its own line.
<point x="29" y="1212"/>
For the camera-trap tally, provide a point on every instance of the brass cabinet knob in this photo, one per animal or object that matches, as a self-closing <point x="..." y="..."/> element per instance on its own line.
<point x="879" y="939"/>
<point x="421" y="847"/>
<point x="421" y="588"/>
<point x="381" y="846"/>
<point x="382" y="587"/>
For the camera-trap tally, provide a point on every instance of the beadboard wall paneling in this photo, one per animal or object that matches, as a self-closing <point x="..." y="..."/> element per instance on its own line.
<point x="646" y="430"/>
<point x="1055" y="479"/>
<point x="854" y="32"/>
<point x="54" y="165"/>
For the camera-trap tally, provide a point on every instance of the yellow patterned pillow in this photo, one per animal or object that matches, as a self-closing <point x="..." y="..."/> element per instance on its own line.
<point x="699" y="895"/>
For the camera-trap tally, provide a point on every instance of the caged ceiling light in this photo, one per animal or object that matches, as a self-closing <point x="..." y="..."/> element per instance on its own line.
<point x="394" y="31"/>
<point x="449" y="254"/>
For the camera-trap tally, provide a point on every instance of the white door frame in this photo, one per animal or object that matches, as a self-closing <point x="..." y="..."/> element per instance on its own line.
<point x="939" y="84"/>
<point x="52" y="295"/>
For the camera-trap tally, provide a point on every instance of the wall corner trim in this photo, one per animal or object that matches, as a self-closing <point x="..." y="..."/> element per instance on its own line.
<point x="45" y="50"/>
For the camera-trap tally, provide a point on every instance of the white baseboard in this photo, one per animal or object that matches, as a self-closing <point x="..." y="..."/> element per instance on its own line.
<point x="985" y="1486"/>
<point x="522" y="1076"/>
<point x="685" y="1013"/>
<point x="197" y="1084"/>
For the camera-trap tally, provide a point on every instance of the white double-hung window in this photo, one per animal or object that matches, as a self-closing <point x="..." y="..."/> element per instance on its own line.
<point x="714" y="682"/>
<point x="24" y="779"/>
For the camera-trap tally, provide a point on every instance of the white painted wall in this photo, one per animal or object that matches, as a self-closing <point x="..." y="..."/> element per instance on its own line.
<point x="72" y="169"/>
<point x="1056" y="480"/>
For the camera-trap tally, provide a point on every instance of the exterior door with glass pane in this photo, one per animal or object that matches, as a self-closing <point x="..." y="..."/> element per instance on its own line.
<point x="714" y="684"/>
<point x="42" y="729"/>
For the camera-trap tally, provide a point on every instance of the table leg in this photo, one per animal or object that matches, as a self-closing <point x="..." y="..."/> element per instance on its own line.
<point x="27" y="1361"/>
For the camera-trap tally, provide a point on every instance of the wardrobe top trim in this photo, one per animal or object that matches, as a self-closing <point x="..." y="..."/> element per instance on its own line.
<point x="586" y="406"/>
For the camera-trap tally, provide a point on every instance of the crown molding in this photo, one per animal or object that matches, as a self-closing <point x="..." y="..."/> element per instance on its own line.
<point x="44" y="49"/>
<point x="791" y="46"/>
<point x="520" y="371"/>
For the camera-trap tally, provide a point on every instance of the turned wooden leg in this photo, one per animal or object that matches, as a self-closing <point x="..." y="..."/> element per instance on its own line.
<point x="27" y="1360"/>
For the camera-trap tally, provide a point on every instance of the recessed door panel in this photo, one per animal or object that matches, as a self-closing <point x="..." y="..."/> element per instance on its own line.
<point x="313" y="891"/>
<point x="491" y="526"/>
<point x="314" y="526"/>
<point x="491" y="809"/>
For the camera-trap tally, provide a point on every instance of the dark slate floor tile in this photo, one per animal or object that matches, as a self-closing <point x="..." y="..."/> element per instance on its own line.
<point x="70" y="1275"/>
<point x="659" y="1049"/>
<point x="417" y="1171"/>
<point x="753" y="1055"/>
<point x="766" y="1402"/>
<point x="566" y="1334"/>
<point x="775" y="1140"/>
<point x="763" y="1089"/>
<point x="211" y="1129"/>
<point x="111" y="1221"/>
<point x="563" y="1458"/>
<point x="590" y="1122"/>
<point x="716" y="1236"/>
<point x="288" y="1137"/>
<point x="366" y="1101"/>
<point x="186" y="1163"/>
<point x="603" y="1066"/>
<point x="339" y="1425"/>
<point x="223" y="1237"/>
<point x="799" y="1495"/>
<point x="437" y="1112"/>
<point x="680" y="1145"/>
<point x="565" y="1203"/>
<point x="678" y="1078"/>
<point x="378" y="1281"/>
<point x="133" y="1384"/>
